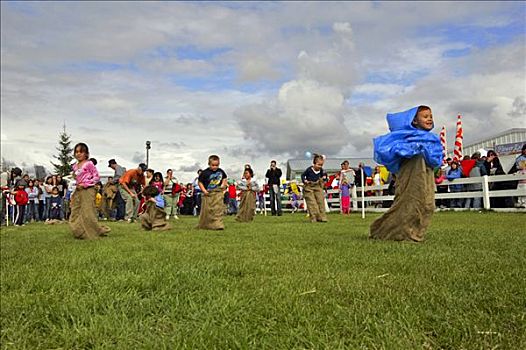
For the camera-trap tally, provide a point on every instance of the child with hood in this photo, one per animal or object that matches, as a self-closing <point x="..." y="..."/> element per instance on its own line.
<point x="411" y="152"/>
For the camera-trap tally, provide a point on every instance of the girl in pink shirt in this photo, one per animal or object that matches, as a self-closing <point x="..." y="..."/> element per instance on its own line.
<point x="83" y="219"/>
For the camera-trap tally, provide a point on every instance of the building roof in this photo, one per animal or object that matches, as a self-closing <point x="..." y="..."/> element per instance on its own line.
<point x="503" y="133"/>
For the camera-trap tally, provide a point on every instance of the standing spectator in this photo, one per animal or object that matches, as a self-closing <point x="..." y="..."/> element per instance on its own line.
<point x="521" y="201"/>
<point x="232" y="196"/>
<point x="455" y="173"/>
<point x="171" y="194"/>
<point x="188" y="203"/>
<point x="48" y="187"/>
<point x="261" y="199"/>
<point x="274" y="175"/>
<point x="494" y="167"/>
<point x="477" y="170"/>
<point x="41" y="205"/>
<point x="377" y="181"/>
<point x="32" y="204"/>
<point x="348" y="175"/>
<point x="21" y="200"/>
<point x="439" y="178"/>
<point x="345" y="196"/>
<point x="55" y="205"/>
<point x="149" y="176"/>
<point x="158" y="182"/>
<point x="119" y="201"/>
<point x="197" y="194"/>
<point x="62" y="186"/>
<point x="358" y="180"/>
<point x="129" y="185"/>
<point x="519" y="159"/>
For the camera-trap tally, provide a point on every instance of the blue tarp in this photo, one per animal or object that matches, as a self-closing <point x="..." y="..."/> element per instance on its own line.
<point x="406" y="141"/>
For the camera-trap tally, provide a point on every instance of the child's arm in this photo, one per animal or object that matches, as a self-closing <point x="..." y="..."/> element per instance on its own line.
<point x="202" y="188"/>
<point x="224" y="183"/>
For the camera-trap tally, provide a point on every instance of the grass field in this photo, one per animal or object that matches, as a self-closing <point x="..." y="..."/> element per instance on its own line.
<point x="278" y="283"/>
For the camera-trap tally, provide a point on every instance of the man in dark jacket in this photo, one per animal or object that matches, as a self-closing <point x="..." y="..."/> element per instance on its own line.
<point x="273" y="175"/>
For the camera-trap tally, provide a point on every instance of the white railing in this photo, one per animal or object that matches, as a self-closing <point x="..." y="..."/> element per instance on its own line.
<point x="485" y="193"/>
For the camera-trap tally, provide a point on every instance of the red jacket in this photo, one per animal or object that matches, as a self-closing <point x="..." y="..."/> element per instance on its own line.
<point x="21" y="197"/>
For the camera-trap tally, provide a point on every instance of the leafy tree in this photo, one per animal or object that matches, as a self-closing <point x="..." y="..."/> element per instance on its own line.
<point x="64" y="157"/>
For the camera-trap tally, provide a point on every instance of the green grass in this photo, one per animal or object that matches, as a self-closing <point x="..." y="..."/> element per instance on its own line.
<point x="278" y="283"/>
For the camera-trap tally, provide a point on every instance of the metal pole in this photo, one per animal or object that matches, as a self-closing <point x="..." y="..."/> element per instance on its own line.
<point x="148" y="146"/>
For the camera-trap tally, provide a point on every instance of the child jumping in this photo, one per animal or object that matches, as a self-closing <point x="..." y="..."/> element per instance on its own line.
<point x="411" y="152"/>
<point x="313" y="189"/>
<point x="153" y="216"/>
<point x="83" y="219"/>
<point x="212" y="183"/>
<point x="249" y="188"/>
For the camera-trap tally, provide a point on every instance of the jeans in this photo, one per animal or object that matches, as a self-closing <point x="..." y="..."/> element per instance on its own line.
<point x="120" y="205"/>
<point x="32" y="211"/>
<point x="132" y="204"/>
<point x="275" y="199"/>
<point x="232" y="206"/>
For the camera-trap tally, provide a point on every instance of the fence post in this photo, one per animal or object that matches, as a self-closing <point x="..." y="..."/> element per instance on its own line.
<point x="485" y="192"/>
<point x="363" y="193"/>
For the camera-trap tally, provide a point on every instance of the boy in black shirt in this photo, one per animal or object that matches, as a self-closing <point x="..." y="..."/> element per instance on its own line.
<point x="313" y="189"/>
<point x="212" y="183"/>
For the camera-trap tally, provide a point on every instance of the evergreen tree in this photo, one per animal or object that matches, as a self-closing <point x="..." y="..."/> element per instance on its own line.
<point x="64" y="157"/>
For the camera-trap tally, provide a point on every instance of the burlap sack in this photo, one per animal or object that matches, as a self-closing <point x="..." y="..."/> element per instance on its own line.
<point x="413" y="206"/>
<point x="315" y="199"/>
<point x="83" y="220"/>
<point x="247" y="207"/>
<point x="154" y="218"/>
<point x="212" y="211"/>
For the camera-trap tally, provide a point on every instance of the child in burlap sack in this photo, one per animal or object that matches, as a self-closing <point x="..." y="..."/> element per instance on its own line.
<point x="313" y="189"/>
<point x="212" y="183"/>
<point x="83" y="219"/>
<point x="153" y="216"/>
<point x="248" y="187"/>
<point x="411" y="152"/>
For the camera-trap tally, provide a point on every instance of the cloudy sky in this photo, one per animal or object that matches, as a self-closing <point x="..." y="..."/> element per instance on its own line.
<point x="251" y="81"/>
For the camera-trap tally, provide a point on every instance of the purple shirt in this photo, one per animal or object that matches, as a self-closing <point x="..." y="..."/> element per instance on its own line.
<point x="87" y="175"/>
<point x="345" y="190"/>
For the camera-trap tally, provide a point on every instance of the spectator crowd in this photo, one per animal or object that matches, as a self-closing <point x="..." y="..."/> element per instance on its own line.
<point x="119" y="197"/>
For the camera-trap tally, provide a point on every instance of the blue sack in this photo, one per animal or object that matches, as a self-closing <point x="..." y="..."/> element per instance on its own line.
<point x="405" y="141"/>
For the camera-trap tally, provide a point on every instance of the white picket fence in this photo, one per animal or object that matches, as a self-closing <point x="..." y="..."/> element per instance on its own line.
<point x="486" y="193"/>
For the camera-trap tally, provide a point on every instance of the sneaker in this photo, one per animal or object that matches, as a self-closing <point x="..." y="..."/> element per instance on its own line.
<point x="167" y="217"/>
<point x="176" y="217"/>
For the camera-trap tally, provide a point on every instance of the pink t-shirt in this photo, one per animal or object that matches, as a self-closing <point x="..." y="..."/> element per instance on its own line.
<point x="87" y="175"/>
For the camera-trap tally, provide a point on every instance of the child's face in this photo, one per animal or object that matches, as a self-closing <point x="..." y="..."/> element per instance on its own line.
<point x="318" y="165"/>
<point x="55" y="191"/>
<point x="424" y="120"/>
<point x="246" y="175"/>
<point x="80" y="155"/>
<point x="454" y="165"/>
<point x="214" y="165"/>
